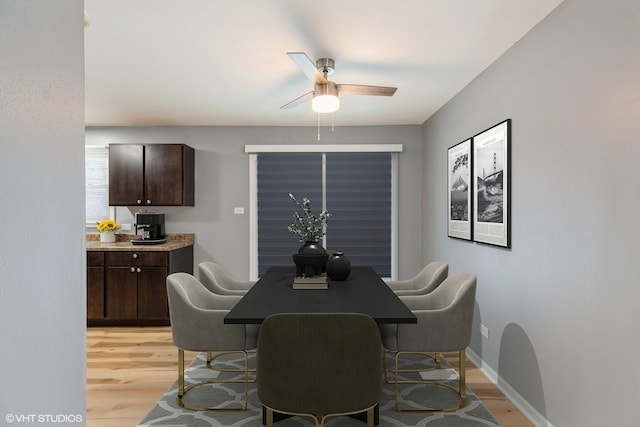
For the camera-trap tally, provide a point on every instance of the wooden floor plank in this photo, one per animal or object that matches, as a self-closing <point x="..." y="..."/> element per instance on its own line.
<point x="130" y="368"/>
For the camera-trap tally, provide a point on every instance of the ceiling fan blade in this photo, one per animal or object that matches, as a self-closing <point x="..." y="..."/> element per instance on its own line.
<point x="366" y="90"/>
<point x="306" y="97"/>
<point x="307" y="66"/>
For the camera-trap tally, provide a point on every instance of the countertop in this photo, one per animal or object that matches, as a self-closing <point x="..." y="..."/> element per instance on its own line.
<point x="123" y="243"/>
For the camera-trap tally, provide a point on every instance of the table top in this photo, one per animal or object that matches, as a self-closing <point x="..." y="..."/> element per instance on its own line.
<point x="363" y="292"/>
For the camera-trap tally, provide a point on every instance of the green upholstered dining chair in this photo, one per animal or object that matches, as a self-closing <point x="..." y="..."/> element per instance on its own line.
<point x="429" y="278"/>
<point x="197" y="324"/>
<point x="219" y="281"/>
<point x="444" y="324"/>
<point x="319" y="365"/>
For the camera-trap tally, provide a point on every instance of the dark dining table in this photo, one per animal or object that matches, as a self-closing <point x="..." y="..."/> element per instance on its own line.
<point x="362" y="292"/>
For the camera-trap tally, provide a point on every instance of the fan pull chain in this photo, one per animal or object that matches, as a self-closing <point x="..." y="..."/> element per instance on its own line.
<point x="332" y="124"/>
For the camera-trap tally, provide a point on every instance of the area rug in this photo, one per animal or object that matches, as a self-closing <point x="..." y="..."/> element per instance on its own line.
<point x="167" y="413"/>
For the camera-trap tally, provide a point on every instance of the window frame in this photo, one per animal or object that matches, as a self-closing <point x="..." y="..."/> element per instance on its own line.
<point x="90" y="223"/>
<point x="254" y="150"/>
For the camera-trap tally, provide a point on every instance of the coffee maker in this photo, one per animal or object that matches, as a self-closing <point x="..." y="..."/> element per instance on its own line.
<point x="152" y="226"/>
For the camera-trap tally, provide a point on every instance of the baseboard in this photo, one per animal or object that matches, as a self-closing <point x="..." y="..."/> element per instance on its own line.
<point x="529" y="411"/>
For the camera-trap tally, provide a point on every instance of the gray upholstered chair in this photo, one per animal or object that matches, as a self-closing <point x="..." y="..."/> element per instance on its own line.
<point x="444" y="324"/>
<point x="424" y="282"/>
<point x="219" y="281"/>
<point x="319" y="365"/>
<point x="197" y="317"/>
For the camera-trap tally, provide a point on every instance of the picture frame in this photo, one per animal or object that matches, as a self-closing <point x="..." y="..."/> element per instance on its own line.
<point x="492" y="185"/>
<point x="459" y="189"/>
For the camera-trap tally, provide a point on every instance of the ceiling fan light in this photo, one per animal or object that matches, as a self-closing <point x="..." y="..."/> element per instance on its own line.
<point x="325" y="103"/>
<point x="325" y="98"/>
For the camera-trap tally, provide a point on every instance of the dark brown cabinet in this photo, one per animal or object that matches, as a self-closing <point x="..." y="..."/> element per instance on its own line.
<point x="132" y="280"/>
<point x="133" y="288"/>
<point x="151" y="175"/>
<point x="95" y="285"/>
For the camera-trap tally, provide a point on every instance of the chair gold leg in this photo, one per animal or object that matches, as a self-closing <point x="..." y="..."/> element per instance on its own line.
<point x="180" y="372"/>
<point x="211" y="358"/>
<point x="370" y="417"/>
<point x="384" y="366"/>
<point x="396" y="381"/>
<point x="463" y="380"/>
<point x="182" y="390"/>
<point x="461" y="390"/>
<point x="434" y="356"/>
<point x="269" y="417"/>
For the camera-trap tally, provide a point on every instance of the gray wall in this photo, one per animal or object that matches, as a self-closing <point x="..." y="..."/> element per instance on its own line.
<point x="562" y="304"/>
<point x="222" y="183"/>
<point x="42" y="262"/>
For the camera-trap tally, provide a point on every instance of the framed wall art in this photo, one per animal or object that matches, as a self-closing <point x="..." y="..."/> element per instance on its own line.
<point x="459" y="190"/>
<point x="492" y="185"/>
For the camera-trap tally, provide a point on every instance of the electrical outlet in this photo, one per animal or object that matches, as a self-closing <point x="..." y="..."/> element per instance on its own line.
<point x="125" y="227"/>
<point x="484" y="331"/>
<point x="238" y="210"/>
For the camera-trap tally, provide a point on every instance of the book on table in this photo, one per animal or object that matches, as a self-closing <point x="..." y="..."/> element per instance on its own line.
<point x="314" y="282"/>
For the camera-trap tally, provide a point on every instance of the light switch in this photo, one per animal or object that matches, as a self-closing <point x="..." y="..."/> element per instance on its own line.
<point x="238" y="210"/>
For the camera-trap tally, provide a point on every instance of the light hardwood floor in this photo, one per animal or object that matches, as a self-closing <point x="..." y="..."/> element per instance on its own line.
<point x="129" y="369"/>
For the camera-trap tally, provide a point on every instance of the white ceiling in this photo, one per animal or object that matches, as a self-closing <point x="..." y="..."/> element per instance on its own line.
<point x="224" y="62"/>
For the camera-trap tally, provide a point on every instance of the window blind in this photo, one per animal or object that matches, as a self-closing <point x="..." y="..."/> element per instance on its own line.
<point x="359" y="198"/>
<point x="278" y="175"/>
<point x="357" y="194"/>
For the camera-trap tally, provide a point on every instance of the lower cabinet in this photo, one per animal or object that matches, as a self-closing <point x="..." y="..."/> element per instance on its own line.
<point x="95" y="285"/>
<point x="134" y="290"/>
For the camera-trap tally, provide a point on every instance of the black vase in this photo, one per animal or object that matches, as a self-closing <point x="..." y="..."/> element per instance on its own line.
<point x="310" y="260"/>
<point x="338" y="266"/>
<point x="312" y="248"/>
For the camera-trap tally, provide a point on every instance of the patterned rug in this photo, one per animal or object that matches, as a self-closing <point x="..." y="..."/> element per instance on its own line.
<point x="167" y="413"/>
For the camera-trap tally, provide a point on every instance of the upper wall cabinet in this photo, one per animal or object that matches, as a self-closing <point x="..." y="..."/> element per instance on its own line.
<point x="151" y="175"/>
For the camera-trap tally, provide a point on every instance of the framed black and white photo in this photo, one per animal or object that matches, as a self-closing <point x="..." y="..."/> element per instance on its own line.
<point x="459" y="190"/>
<point x="491" y="184"/>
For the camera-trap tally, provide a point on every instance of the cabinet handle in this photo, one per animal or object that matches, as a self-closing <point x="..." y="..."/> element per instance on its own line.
<point x="148" y="201"/>
<point x="133" y="270"/>
<point x="135" y="256"/>
<point x="138" y="270"/>
<point x="139" y="201"/>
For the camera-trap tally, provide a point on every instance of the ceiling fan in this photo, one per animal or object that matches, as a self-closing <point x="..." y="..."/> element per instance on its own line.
<point x="324" y="97"/>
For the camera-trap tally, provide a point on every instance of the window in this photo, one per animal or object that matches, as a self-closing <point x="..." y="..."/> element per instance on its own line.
<point x="97" y="185"/>
<point x="278" y="175"/>
<point x="358" y="194"/>
<point x="355" y="183"/>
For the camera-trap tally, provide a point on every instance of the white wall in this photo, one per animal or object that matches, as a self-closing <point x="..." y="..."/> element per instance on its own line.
<point x="222" y="183"/>
<point x="562" y="304"/>
<point x="42" y="297"/>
